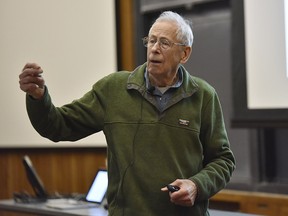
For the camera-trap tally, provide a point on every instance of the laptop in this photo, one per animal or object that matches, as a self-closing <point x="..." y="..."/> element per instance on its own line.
<point x="94" y="197"/>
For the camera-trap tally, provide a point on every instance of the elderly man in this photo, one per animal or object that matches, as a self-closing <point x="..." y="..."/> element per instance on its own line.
<point x="168" y="151"/>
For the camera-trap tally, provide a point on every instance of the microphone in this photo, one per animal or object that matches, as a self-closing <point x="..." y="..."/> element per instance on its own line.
<point x="150" y="89"/>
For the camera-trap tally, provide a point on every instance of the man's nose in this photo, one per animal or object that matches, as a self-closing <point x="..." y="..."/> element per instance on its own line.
<point x="157" y="45"/>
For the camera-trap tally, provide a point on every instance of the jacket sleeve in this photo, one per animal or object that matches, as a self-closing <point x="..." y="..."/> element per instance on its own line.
<point x="70" y="122"/>
<point x="218" y="159"/>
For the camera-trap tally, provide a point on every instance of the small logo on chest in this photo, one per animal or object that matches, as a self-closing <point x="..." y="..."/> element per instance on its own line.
<point x="183" y="122"/>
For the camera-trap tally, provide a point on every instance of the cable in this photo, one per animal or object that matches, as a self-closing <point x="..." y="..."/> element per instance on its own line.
<point x="120" y="187"/>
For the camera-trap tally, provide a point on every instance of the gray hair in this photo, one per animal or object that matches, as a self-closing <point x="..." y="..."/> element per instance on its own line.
<point x="184" y="32"/>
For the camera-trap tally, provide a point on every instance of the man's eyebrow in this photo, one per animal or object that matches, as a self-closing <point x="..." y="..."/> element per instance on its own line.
<point x="153" y="36"/>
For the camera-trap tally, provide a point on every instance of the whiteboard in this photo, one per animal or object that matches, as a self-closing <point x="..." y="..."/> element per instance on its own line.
<point x="266" y="38"/>
<point x="75" y="44"/>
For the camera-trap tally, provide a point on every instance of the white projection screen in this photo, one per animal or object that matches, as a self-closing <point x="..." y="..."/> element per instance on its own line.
<point x="266" y="53"/>
<point x="75" y="44"/>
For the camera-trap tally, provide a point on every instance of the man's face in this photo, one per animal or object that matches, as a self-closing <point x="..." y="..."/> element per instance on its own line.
<point x="164" y="62"/>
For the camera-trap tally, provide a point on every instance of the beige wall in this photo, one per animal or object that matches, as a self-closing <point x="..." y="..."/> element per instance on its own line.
<point x="73" y="41"/>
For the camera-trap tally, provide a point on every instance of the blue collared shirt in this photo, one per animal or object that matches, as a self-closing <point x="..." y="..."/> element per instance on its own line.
<point x="161" y="95"/>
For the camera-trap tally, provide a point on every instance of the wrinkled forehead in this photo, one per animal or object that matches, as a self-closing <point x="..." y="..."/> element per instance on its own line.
<point x="166" y="29"/>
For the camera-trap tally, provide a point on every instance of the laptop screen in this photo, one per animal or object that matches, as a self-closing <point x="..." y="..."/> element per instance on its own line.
<point x="34" y="179"/>
<point x="98" y="188"/>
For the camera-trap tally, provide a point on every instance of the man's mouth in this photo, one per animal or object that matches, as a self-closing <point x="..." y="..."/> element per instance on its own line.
<point x="155" y="61"/>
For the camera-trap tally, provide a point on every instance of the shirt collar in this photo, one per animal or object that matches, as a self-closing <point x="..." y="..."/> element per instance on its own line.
<point x="175" y="85"/>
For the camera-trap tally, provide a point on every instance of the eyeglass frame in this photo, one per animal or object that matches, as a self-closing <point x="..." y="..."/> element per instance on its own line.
<point x="160" y="42"/>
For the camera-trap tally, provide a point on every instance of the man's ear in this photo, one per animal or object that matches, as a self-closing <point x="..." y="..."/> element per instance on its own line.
<point x="186" y="54"/>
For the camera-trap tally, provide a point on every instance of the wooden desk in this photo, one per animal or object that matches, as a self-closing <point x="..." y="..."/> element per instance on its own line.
<point x="41" y="209"/>
<point x="251" y="202"/>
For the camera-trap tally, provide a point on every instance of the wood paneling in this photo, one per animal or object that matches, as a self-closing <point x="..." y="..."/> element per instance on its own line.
<point x="125" y="21"/>
<point x="62" y="170"/>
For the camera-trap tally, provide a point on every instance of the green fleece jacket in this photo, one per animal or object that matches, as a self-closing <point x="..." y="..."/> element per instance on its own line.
<point x="147" y="149"/>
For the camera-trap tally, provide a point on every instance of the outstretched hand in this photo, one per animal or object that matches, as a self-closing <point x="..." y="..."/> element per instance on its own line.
<point x="31" y="80"/>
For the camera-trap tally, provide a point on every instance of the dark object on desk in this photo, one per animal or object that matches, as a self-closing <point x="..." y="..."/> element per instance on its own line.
<point x="24" y="197"/>
<point x="41" y="194"/>
<point x="34" y="179"/>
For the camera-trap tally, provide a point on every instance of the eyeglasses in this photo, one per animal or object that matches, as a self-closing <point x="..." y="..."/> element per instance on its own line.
<point x="163" y="43"/>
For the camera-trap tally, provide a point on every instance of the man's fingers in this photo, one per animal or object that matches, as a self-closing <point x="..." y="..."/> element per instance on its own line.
<point x="29" y="88"/>
<point x="164" y="189"/>
<point x="31" y="69"/>
<point x="31" y="81"/>
<point x="31" y="65"/>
